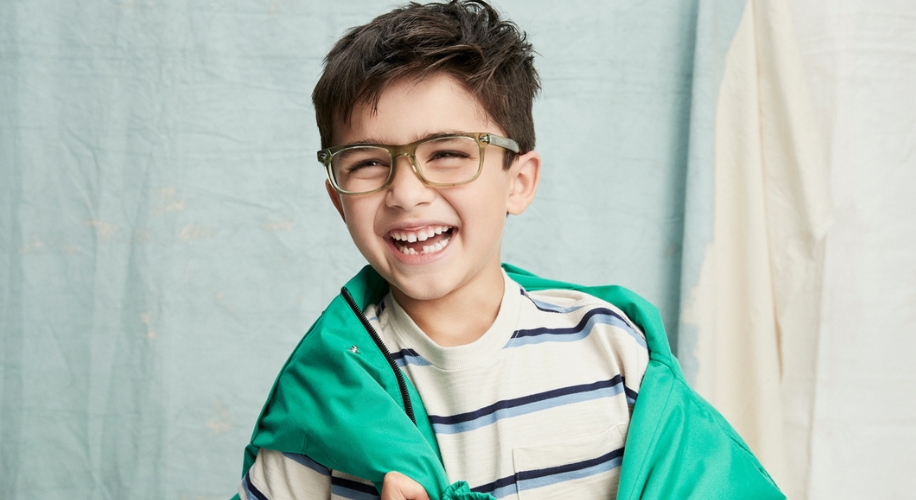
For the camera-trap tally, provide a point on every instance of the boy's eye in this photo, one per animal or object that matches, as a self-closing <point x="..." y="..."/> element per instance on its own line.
<point x="366" y="169"/>
<point x="447" y="154"/>
<point x="363" y="164"/>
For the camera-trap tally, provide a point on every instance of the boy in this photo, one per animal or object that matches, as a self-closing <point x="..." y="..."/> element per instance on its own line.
<point x="438" y="371"/>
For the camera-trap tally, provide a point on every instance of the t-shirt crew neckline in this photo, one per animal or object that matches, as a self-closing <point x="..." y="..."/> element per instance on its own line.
<point x="480" y="352"/>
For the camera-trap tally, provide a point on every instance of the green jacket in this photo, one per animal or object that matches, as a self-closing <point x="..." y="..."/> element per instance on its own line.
<point x="340" y="400"/>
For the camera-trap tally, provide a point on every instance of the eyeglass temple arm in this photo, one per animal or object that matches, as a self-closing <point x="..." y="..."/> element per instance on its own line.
<point x="503" y="142"/>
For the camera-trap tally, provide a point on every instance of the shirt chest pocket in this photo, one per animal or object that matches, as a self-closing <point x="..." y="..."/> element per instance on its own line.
<point x="587" y="467"/>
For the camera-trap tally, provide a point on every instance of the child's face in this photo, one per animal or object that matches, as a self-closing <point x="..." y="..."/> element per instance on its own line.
<point x="463" y="225"/>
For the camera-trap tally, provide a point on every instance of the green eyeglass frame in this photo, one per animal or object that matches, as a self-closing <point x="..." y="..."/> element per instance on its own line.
<point x="483" y="139"/>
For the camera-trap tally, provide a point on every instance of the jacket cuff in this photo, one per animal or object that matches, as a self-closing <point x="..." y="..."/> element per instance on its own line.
<point x="461" y="491"/>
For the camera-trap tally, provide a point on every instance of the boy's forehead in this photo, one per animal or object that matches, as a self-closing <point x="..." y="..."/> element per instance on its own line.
<point x="401" y="98"/>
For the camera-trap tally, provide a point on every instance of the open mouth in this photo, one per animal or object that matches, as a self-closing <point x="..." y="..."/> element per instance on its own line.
<point x="425" y="241"/>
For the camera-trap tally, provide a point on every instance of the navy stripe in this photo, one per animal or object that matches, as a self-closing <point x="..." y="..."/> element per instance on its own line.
<point x="495" y="485"/>
<point x="533" y="398"/>
<point x="509" y="484"/>
<point x="250" y="488"/>
<point x="631" y="394"/>
<point x="305" y="461"/>
<point x="575" y="329"/>
<point x="572" y="474"/>
<point x="409" y="357"/>
<point x="542" y="306"/>
<point x="403" y="353"/>
<point x="561" y="469"/>
<point x="582" y="330"/>
<point x="354" y="485"/>
<point x="340" y="491"/>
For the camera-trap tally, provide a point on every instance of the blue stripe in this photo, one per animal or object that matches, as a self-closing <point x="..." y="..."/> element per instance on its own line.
<point x="551" y="308"/>
<point x="545" y="477"/>
<point x="308" y="462"/>
<point x="251" y="491"/>
<point x="379" y="309"/>
<point x="409" y="357"/>
<point x="505" y="491"/>
<point x="580" y="331"/>
<point x="520" y="406"/>
<point x="353" y="489"/>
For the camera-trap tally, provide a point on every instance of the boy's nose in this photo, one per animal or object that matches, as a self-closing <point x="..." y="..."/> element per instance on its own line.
<point x="406" y="189"/>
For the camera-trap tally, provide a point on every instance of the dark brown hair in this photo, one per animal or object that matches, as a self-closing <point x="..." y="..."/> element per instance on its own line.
<point x="465" y="39"/>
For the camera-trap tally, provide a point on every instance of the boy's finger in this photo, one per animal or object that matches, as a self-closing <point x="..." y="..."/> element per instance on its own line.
<point x="397" y="486"/>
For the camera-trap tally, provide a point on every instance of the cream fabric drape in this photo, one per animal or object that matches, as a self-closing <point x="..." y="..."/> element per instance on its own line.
<point x="755" y="307"/>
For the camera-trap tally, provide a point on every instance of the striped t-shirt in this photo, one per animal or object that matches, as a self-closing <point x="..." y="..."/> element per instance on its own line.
<point x="538" y="407"/>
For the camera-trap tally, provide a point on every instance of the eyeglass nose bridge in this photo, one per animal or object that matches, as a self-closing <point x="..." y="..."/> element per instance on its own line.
<point x="411" y="160"/>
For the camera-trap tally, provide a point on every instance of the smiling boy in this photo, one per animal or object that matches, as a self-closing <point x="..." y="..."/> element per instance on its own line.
<point x="438" y="371"/>
<point x="457" y="269"/>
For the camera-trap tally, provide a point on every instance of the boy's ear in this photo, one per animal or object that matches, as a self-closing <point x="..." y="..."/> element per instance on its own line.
<point x="523" y="184"/>
<point x="335" y="199"/>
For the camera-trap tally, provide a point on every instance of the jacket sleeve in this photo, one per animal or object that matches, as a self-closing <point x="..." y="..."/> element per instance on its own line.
<point x="337" y="401"/>
<point x="340" y="406"/>
<point x="679" y="446"/>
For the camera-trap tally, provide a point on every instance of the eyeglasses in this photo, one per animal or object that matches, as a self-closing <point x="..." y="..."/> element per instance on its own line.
<point x="439" y="161"/>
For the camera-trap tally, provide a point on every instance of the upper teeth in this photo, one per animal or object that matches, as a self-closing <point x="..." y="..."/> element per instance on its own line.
<point x="421" y="235"/>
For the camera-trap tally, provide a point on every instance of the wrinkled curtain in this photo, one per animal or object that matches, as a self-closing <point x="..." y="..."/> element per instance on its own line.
<point x="751" y="317"/>
<point x="166" y="237"/>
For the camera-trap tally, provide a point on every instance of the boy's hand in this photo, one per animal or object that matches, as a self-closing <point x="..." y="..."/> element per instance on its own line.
<point x="397" y="486"/>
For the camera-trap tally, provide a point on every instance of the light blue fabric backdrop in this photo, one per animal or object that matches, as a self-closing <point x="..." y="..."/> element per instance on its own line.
<point x="165" y="237"/>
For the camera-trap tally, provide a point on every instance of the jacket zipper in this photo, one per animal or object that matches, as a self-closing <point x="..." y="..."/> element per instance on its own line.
<point x="402" y="385"/>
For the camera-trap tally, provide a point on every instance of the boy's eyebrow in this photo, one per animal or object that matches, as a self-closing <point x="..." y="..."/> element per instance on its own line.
<point x="374" y="141"/>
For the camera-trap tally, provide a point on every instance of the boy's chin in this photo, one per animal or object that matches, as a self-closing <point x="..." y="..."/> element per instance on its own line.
<point x="417" y="289"/>
<point x="443" y="284"/>
<point x="425" y="287"/>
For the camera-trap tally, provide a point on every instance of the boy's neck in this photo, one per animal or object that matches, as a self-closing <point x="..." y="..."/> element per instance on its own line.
<point x="460" y="317"/>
